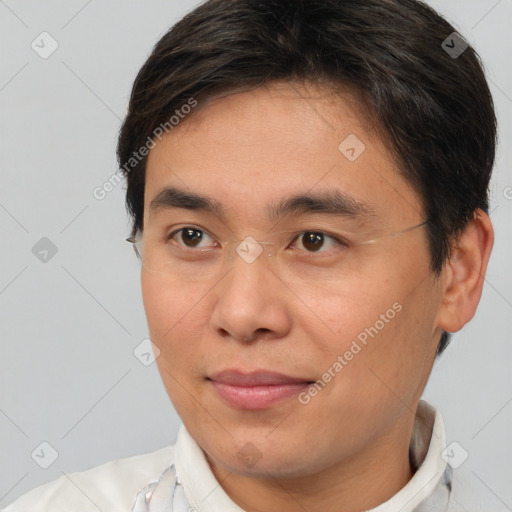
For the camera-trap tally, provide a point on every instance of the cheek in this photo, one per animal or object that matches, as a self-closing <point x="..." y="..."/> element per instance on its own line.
<point x="400" y="349"/>
<point x="383" y="332"/>
<point x="351" y="314"/>
<point x="168" y="302"/>
<point x="175" y="314"/>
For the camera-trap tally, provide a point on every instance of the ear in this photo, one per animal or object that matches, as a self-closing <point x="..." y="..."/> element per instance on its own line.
<point x="464" y="272"/>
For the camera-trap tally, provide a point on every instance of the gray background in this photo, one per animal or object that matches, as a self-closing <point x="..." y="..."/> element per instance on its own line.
<point x="69" y="326"/>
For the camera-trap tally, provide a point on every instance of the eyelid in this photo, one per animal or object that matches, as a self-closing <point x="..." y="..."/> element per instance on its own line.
<point x="174" y="232"/>
<point x="341" y="243"/>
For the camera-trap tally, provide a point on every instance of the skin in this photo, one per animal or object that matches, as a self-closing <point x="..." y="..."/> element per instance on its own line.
<point x="249" y="149"/>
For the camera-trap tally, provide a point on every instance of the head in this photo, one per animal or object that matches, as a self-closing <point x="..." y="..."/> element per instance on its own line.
<point x="244" y="105"/>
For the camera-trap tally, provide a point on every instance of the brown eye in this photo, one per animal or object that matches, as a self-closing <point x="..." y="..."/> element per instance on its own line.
<point x="318" y="242"/>
<point x="312" y="241"/>
<point x="191" y="237"/>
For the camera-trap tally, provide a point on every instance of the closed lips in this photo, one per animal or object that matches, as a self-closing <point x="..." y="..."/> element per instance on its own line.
<point x="255" y="378"/>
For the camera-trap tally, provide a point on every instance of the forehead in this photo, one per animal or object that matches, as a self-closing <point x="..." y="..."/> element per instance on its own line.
<point x="253" y="149"/>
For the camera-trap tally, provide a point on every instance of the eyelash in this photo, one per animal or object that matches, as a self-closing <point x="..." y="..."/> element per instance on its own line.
<point x="339" y="241"/>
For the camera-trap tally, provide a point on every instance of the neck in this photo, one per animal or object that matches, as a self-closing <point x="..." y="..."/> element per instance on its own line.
<point x="360" y="483"/>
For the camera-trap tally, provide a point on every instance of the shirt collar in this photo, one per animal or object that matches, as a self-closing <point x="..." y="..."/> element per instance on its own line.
<point x="430" y="482"/>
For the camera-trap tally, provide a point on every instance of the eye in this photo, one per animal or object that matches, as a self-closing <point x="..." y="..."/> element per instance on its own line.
<point x="191" y="238"/>
<point x="314" y="241"/>
<point x="194" y="239"/>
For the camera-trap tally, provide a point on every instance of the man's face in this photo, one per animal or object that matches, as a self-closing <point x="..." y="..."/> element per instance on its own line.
<point x="359" y="320"/>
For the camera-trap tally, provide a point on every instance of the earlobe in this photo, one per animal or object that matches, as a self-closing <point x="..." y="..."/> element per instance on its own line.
<point x="464" y="273"/>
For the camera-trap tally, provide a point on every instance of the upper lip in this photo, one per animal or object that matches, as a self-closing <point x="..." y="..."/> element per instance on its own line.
<point x="254" y="378"/>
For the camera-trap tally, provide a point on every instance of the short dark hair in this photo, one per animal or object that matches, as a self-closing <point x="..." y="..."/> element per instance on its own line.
<point x="435" y="107"/>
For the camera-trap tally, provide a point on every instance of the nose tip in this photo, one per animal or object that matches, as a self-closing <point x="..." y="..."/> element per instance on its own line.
<point x="249" y="304"/>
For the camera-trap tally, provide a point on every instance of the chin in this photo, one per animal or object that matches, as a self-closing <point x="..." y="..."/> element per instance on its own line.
<point x="258" y="456"/>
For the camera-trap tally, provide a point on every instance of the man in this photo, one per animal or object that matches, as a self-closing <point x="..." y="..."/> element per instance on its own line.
<point x="308" y="186"/>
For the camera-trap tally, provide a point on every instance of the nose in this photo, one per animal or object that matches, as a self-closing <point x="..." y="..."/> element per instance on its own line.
<point x="251" y="302"/>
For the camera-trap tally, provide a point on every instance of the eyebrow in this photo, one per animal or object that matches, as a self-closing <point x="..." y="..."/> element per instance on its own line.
<point x="331" y="202"/>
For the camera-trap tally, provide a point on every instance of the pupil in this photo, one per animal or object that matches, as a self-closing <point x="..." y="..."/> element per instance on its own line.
<point x="313" y="241"/>
<point x="191" y="235"/>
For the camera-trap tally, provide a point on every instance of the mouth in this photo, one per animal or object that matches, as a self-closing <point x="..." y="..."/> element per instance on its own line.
<point x="256" y="390"/>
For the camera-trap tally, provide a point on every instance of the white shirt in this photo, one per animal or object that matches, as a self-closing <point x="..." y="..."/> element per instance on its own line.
<point x="178" y="478"/>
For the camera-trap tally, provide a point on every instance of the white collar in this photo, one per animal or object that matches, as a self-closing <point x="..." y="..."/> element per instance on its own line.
<point x="427" y="443"/>
<point x="202" y="489"/>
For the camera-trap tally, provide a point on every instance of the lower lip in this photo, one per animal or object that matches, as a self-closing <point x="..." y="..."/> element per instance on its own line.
<point x="257" y="397"/>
